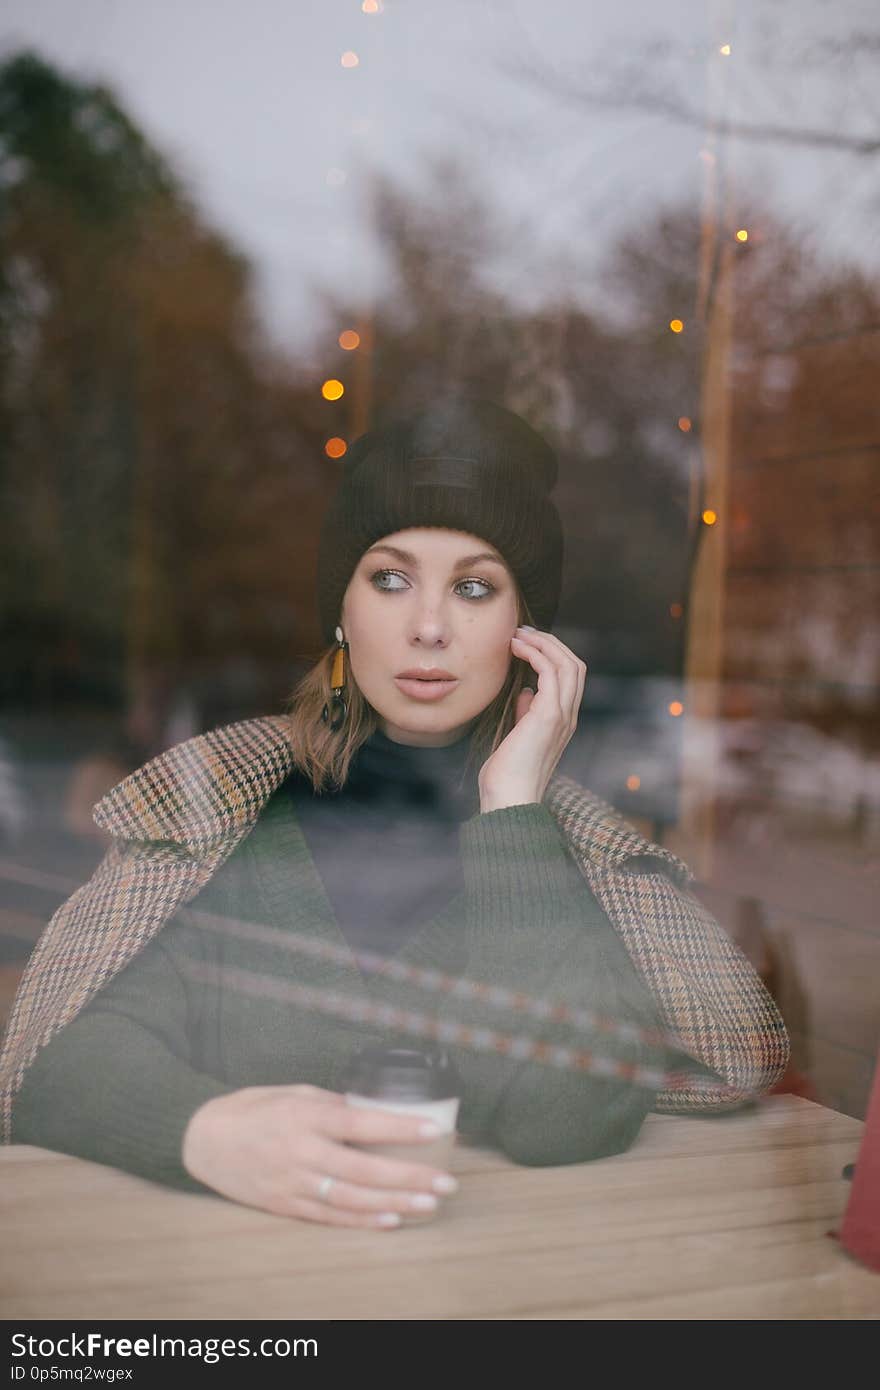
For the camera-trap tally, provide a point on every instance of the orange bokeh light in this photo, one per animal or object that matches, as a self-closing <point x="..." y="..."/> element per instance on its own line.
<point x="742" y="234"/>
<point x="685" y="424"/>
<point x="332" y="389"/>
<point x="633" y="783"/>
<point x="710" y="517"/>
<point x="349" y="340"/>
<point x="335" y="447"/>
<point x="676" y="325"/>
<point x="371" y="7"/>
<point x="676" y="708"/>
<point x="675" y="610"/>
<point x="349" y="59"/>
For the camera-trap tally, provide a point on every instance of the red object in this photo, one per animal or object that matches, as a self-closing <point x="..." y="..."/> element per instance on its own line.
<point x="860" y="1232"/>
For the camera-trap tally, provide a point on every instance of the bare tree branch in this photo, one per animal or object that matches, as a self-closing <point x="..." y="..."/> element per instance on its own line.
<point x="624" y="94"/>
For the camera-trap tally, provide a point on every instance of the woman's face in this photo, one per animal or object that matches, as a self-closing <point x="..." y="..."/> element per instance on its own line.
<point x="430" y="598"/>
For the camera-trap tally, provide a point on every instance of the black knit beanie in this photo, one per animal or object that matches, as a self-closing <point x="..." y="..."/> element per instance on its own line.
<point x="463" y="463"/>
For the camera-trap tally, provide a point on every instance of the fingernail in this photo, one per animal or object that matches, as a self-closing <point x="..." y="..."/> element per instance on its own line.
<point x="445" y="1184"/>
<point x="429" y="1130"/>
<point x="424" y="1202"/>
<point x="388" y="1218"/>
<point x="525" y="628"/>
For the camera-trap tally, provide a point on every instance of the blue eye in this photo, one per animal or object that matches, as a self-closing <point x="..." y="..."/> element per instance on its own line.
<point x="478" y="581"/>
<point x="472" y="598"/>
<point x="381" y="574"/>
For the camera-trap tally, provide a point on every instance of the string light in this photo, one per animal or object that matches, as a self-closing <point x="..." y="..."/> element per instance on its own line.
<point x="447" y="1030"/>
<point x="676" y="325"/>
<point x="685" y="424"/>
<point x="633" y="783"/>
<point x="676" y="708"/>
<point x="493" y="997"/>
<point x="349" y="340"/>
<point x="742" y="234"/>
<point x="675" y="610"/>
<point x="724" y="50"/>
<point x="365" y="1011"/>
<point x="335" y="447"/>
<point x="372" y="6"/>
<point x="332" y="389"/>
<point x="710" y="517"/>
<point x="349" y="59"/>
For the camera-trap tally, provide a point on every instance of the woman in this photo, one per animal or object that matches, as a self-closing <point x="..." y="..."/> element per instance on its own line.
<point x="406" y="811"/>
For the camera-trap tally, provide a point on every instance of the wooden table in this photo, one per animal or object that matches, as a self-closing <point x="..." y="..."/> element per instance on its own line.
<point x="723" y="1217"/>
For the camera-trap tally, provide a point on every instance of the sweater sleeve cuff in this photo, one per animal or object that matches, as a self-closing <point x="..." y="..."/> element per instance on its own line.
<point x="150" y="1140"/>
<point x="128" y="1120"/>
<point x="516" y="866"/>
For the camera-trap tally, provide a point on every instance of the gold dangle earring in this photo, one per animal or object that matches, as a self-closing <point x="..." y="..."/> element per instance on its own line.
<point x="337" y="684"/>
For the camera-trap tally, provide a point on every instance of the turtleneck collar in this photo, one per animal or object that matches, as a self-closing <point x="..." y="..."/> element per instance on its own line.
<point x="422" y="775"/>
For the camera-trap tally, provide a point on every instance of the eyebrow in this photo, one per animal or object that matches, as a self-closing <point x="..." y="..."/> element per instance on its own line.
<point x="463" y="563"/>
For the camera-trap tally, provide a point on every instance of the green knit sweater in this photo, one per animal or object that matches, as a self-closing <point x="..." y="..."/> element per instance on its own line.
<point x="120" y="1082"/>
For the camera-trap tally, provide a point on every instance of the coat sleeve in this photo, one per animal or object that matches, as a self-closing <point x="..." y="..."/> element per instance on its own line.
<point x="118" y="1084"/>
<point x="708" y="993"/>
<point x="93" y="935"/>
<point x="709" y="996"/>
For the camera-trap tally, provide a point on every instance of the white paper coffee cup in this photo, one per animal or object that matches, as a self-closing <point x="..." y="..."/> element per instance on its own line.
<point x="406" y="1082"/>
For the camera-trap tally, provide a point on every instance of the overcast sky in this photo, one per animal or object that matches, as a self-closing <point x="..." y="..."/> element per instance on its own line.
<point x="276" y="139"/>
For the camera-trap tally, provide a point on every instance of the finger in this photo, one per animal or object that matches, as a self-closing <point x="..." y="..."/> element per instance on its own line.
<point x="582" y="680"/>
<point x="352" y="1125"/>
<point x="549" y="639"/>
<point x="572" y="671"/>
<point x="376" y="1170"/>
<point x="549" y="643"/>
<point x="326" y="1215"/>
<point x="348" y="1196"/>
<point x="547" y="667"/>
<point x="316" y="1093"/>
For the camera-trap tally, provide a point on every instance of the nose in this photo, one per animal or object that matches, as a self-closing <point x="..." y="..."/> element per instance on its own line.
<point x="428" y="635"/>
<point x="430" y="626"/>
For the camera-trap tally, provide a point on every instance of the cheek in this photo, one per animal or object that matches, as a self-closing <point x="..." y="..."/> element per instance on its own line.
<point x="488" y="643"/>
<point x="374" y="644"/>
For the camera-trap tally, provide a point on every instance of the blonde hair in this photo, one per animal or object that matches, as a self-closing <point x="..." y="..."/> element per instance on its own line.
<point x="324" y="757"/>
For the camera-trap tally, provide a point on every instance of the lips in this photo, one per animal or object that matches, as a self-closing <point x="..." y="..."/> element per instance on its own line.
<point x="426" y="673"/>
<point x="426" y="685"/>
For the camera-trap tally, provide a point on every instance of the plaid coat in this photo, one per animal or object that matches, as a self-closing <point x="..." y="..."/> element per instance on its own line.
<point x="177" y="818"/>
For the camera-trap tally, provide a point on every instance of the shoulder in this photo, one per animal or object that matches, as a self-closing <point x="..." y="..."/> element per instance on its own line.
<point x="203" y="791"/>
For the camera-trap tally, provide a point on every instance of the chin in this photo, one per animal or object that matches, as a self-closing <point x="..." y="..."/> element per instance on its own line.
<point x="430" y="723"/>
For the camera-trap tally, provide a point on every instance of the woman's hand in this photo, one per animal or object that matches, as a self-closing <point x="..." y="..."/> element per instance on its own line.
<point x="271" y="1146"/>
<point x="519" y="770"/>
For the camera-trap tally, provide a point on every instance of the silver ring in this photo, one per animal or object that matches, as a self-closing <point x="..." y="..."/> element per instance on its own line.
<point x="324" y="1187"/>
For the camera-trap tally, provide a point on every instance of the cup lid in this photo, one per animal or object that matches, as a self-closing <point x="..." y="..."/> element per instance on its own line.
<point x="402" y="1074"/>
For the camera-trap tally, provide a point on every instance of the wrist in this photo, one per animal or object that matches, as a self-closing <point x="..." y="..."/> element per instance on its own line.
<point x="498" y="799"/>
